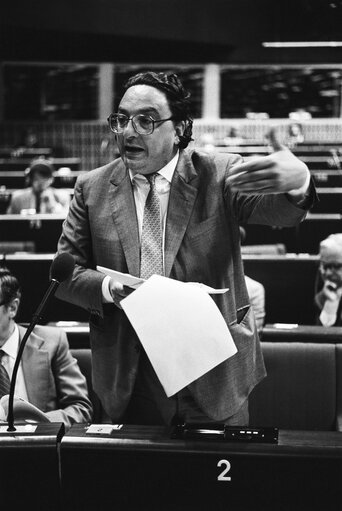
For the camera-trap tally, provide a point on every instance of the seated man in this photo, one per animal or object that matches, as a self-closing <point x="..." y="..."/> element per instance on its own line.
<point x="48" y="377"/>
<point x="256" y="292"/>
<point x="328" y="297"/>
<point x="40" y="197"/>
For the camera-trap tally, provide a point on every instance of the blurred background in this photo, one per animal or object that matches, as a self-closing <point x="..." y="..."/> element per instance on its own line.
<point x="252" y="66"/>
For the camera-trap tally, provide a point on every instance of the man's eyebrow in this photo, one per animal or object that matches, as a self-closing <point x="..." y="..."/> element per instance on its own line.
<point x="147" y="110"/>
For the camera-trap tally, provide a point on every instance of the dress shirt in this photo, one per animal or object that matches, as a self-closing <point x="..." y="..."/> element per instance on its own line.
<point x="10" y="349"/>
<point x="328" y="315"/>
<point x="141" y="188"/>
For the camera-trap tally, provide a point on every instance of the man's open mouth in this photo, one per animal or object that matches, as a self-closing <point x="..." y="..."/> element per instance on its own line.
<point x="133" y="149"/>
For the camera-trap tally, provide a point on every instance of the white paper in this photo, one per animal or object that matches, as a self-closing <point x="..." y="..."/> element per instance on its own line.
<point x="129" y="280"/>
<point x="23" y="410"/>
<point x="124" y="278"/>
<point x="181" y="329"/>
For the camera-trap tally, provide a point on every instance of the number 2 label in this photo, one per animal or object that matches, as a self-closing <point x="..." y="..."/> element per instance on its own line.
<point x="223" y="475"/>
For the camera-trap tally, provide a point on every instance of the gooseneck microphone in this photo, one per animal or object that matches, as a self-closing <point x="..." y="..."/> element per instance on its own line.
<point x="61" y="267"/>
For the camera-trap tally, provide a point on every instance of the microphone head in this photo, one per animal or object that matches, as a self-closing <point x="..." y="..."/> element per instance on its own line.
<point x="62" y="266"/>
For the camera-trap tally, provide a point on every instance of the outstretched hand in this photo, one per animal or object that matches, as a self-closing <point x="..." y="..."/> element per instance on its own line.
<point x="279" y="172"/>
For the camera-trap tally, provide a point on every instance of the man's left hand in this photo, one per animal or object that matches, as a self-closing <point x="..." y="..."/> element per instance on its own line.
<point x="279" y="172"/>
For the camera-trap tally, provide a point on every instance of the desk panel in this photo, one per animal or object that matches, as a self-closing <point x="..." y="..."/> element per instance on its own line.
<point x="29" y="469"/>
<point x="141" y="468"/>
<point x="303" y="238"/>
<point x="301" y="333"/>
<point x="289" y="284"/>
<point x="43" y="230"/>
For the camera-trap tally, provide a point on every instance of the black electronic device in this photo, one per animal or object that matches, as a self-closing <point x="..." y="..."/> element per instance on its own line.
<point x="223" y="433"/>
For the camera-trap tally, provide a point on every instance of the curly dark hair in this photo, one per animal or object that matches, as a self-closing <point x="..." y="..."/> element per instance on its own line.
<point x="9" y="286"/>
<point x="177" y="96"/>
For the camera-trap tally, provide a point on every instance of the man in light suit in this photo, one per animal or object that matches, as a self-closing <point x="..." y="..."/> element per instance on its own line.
<point x="203" y="197"/>
<point x="48" y="376"/>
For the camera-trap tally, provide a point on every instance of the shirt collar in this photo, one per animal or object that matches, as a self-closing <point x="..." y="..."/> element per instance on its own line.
<point x="167" y="171"/>
<point x="11" y="345"/>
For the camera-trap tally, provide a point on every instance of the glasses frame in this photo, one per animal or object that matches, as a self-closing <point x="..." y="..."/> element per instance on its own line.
<point x="153" y="121"/>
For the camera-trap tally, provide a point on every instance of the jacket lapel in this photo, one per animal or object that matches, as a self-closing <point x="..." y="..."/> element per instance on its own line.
<point x="35" y="364"/>
<point x="124" y="215"/>
<point x="182" y="198"/>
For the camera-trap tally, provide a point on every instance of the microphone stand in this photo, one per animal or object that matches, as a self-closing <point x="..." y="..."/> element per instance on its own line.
<point x="35" y="318"/>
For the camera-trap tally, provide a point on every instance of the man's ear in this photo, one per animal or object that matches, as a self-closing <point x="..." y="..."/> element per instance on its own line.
<point x="180" y="127"/>
<point x="13" y="307"/>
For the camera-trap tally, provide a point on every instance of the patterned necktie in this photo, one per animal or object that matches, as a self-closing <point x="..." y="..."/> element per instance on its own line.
<point x="5" y="381"/>
<point x="151" y="261"/>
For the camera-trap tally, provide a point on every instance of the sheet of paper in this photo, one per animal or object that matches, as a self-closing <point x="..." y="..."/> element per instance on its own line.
<point x="180" y="328"/>
<point x="124" y="278"/>
<point x="129" y="280"/>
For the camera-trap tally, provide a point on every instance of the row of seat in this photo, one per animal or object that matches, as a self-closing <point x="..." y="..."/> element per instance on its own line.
<point x="289" y="282"/>
<point x="17" y="164"/>
<point x="302" y="390"/>
<point x="16" y="178"/>
<point x="303" y="238"/>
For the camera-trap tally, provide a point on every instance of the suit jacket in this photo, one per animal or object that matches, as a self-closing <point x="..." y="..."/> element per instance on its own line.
<point x="202" y="243"/>
<point x="25" y="199"/>
<point x="53" y="380"/>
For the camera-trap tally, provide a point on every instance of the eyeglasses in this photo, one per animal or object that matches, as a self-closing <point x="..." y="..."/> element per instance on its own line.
<point x="330" y="266"/>
<point x="143" y="124"/>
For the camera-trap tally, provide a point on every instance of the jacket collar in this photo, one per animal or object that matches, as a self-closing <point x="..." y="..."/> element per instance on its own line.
<point x="181" y="201"/>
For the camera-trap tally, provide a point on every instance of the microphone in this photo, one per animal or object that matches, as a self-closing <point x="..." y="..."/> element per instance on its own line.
<point x="62" y="266"/>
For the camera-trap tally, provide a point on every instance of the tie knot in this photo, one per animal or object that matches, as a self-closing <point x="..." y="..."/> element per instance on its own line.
<point x="151" y="178"/>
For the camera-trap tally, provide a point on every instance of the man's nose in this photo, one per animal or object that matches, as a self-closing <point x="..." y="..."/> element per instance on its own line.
<point x="328" y="271"/>
<point x="129" y="129"/>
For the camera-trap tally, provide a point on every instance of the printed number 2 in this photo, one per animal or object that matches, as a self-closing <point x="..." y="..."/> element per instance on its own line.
<point x="227" y="466"/>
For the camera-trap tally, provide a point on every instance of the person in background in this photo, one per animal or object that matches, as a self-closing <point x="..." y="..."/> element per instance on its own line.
<point x="256" y="293"/>
<point x="294" y="135"/>
<point x="234" y="137"/>
<point x="48" y="377"/>
<point x="193" y="203"/>
<point x="40" y="196"/>
<point x="328" y="296"/>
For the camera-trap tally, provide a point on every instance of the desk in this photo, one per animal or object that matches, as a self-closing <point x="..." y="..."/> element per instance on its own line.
<point x="303" y="238"/>
<point x="42" y="229"/>
<point x="29" y="469"/>
<point x="289" y="282"/>
<point x="23" y="163"/>
<point x="301" y="333"/>
<point x="16" y="179"/>
<point x="141" y="468"/>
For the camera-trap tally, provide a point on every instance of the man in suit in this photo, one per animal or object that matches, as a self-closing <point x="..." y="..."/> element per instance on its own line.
<point x="328" y="297"/>
<point x="202" y="199"/>
<point x="40" y="196"/>
<point x="48" y="376"/>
